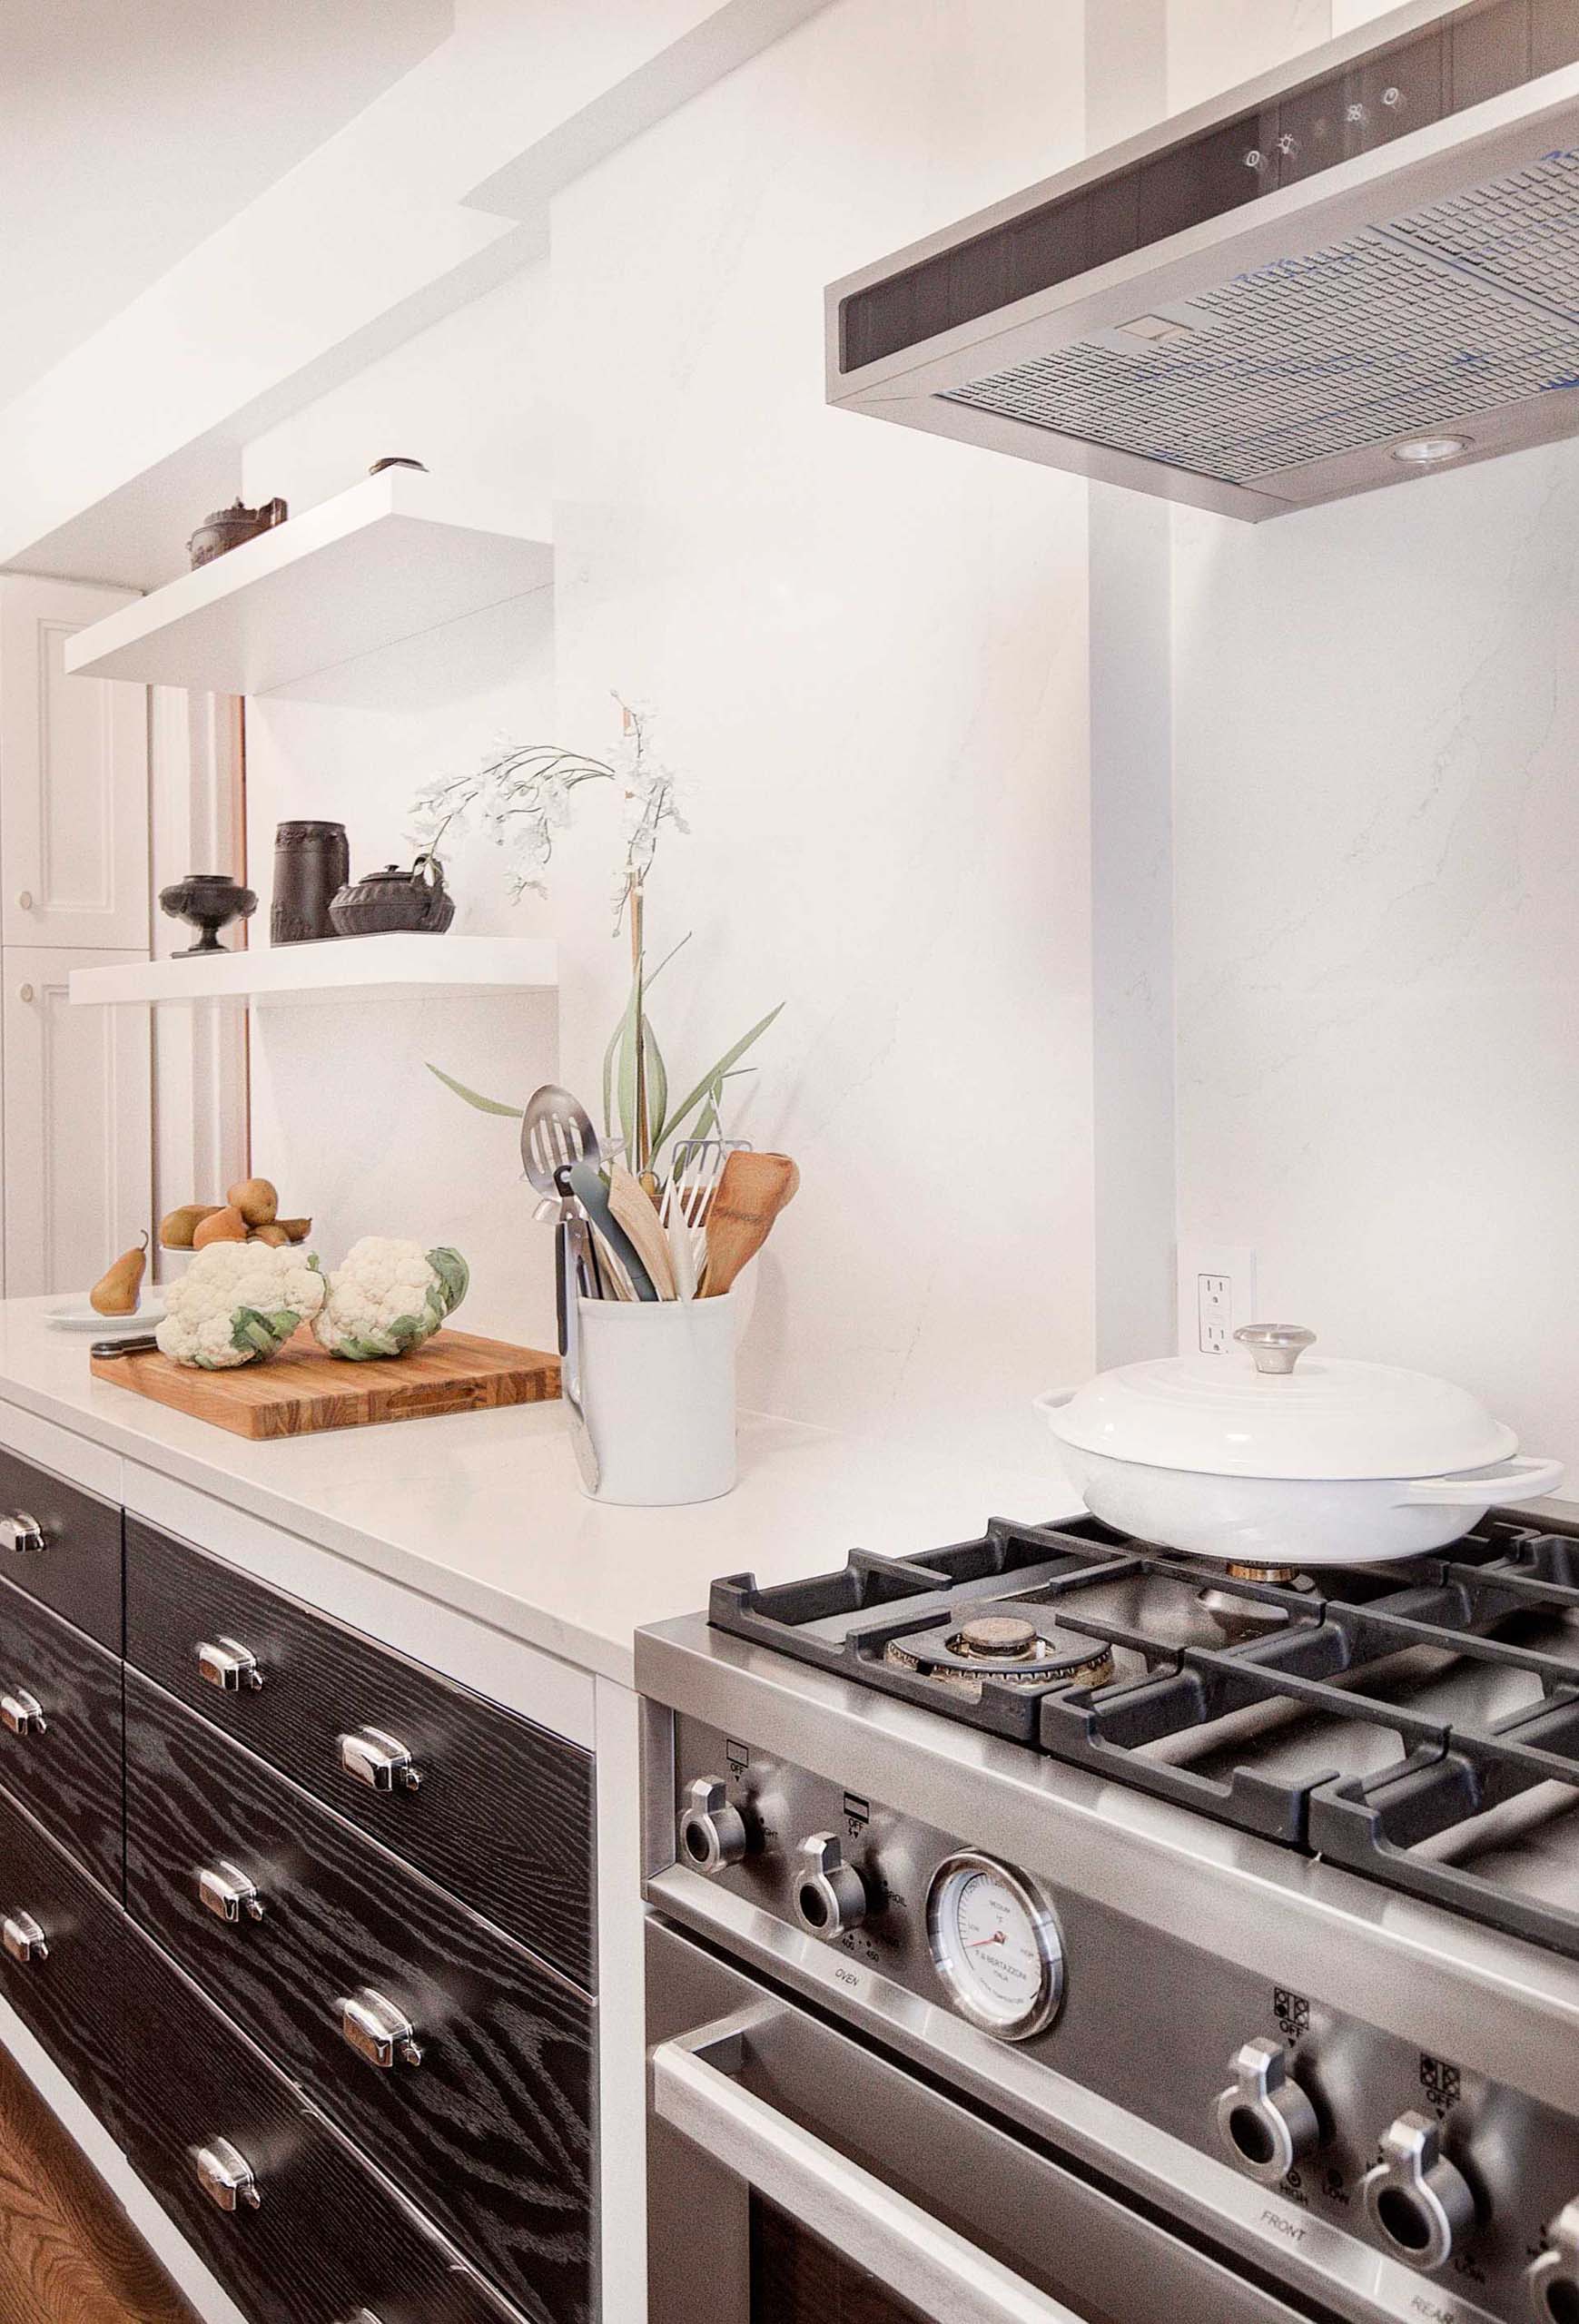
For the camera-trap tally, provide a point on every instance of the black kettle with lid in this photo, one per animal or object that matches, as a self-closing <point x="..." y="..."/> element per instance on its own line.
<point x="415" y="902"/>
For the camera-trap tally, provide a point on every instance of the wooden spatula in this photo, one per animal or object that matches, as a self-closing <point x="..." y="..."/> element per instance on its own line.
<point x="753" y="1190"/>
<point x="632" y="1209"/>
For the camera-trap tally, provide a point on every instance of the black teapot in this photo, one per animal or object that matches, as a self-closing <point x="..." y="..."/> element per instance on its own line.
<point x="416" y="902"/>
<point x="227" y="528"/>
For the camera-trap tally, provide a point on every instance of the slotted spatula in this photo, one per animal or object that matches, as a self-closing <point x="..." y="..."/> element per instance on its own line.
<point x="557" y="1132"/>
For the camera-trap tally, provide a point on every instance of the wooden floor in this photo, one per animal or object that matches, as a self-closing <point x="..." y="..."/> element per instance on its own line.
<point x="68" y="2254"/>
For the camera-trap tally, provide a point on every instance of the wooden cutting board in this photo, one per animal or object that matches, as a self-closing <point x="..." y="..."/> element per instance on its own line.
<point x="302" y="1390"/>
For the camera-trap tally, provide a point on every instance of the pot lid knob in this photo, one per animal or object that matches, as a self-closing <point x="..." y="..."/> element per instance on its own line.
<point x="1276" y="1347"/>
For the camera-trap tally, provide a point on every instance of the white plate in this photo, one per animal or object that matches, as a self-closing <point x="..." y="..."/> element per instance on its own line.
<point x="76" y="1315"/>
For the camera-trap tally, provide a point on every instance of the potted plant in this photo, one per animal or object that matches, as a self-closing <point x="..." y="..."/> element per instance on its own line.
<point x="523" y="797"/>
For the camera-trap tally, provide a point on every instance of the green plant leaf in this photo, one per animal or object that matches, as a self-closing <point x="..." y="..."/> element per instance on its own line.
<point x="652" y="979"/>
<point x="657" y="1087"/>
<point x="625" y="1064"/>
<point x="611" y="1053"/>
<point x="711" y="1083"/>
<point x="471" y="1097"/>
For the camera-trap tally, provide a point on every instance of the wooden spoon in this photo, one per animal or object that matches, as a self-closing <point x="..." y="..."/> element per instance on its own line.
<point x="632" y="1210"/>
<point x="752" y="1191"/>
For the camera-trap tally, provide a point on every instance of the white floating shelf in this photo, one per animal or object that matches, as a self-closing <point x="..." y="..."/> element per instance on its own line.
<point x="350" y="968"/>
<point x="396" y="556"/>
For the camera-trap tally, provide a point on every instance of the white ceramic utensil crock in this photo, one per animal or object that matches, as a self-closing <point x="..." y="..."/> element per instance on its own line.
<point x="1278" y="1458"/>
<point x="657" y="1386"/>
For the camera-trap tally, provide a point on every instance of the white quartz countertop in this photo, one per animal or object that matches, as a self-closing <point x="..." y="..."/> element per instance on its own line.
<point x="483" y="1510"/>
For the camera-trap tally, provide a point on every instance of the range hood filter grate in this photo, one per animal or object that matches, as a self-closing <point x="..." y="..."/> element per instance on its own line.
<point x="1462" y="306"/>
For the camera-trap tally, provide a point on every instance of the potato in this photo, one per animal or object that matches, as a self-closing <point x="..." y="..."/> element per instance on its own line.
<point x="256" y="1200"/>
<point x="177" y="1227"/>
<point x="221" y="1227"/>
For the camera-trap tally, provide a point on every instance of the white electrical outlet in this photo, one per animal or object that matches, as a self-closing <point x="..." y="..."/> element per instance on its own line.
<point x="1217" y="1296"/>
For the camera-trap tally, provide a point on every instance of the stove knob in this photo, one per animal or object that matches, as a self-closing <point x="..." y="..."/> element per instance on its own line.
<point x="1267" y="2121"/>
<point x="830" y="1895"/>
<point x="1554" y="2280"/>
<point x="1419" y="2203"/>
<point x="712" y="1833"/>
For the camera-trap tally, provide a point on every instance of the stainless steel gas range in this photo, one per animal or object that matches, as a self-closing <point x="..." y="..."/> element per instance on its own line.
<point x="1048" y="1929"/>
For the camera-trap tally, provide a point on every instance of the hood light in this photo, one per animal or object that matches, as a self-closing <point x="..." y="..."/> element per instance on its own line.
<point x="1420" y="451"/>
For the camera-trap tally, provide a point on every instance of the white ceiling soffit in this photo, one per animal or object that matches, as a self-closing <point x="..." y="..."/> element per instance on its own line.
<point x="132" y="130"/>
<point x="437" y="190"/>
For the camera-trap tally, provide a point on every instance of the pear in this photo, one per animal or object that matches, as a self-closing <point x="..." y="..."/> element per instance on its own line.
<point x="219" y="1226"/>
<point x="177" y="1227"/>
<point x="275" y="1234"/>
<point x="296" y="1230"/>
<point x="115" y="1292"/>
<point x="256" y="1200"/>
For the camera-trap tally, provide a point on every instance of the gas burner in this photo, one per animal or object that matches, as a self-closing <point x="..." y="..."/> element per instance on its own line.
<point x="995" y="1638"/>
<point x="1280" y="1577"/>
<point x="1237" y="1608"/>
<point x="989" y="1643"/>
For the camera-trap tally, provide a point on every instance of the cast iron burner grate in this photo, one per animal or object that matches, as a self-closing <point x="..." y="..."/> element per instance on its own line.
<point x="1417" y="1723"/>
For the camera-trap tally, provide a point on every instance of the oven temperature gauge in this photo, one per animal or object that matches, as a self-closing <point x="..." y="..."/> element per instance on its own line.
<point x="997" y="1946"/>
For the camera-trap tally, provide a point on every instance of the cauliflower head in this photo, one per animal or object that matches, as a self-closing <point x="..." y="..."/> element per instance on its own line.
<point x="238" y="1303"/>
<point x="388" y="1297"/>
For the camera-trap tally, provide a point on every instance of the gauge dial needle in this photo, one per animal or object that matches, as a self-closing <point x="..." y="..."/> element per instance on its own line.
<point x="976" y="1943"/>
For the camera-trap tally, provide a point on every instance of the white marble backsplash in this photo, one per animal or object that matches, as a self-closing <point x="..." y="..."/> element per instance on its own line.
<point x="1377" y="846"/>
<point x="871" y="654"/>
<point x="868" y="649"/>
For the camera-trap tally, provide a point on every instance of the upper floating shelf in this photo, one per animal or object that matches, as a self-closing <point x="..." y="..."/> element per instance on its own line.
<point x="394" y="557"/>
<point x="348" y="968"/>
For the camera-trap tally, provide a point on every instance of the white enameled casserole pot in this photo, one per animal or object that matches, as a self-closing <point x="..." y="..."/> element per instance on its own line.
<point x="1265" y="1459"/>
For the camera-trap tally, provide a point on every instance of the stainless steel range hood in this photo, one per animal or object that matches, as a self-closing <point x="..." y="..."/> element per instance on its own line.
<point x="1332" y="280"/>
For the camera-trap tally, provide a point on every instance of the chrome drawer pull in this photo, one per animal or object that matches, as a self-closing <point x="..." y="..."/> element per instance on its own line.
<point x="379" y="2030"/>
<point x="380" y="1761"/>
<point x="225" y="2176"/>
<point x="227" y="1664"/>
<point x="22" y="1938"/>
<point x="362" y="2316"/>
<point x="20" y="1532"/>
<point x="22" y="1714"/>
<point x="225" y="1891"/>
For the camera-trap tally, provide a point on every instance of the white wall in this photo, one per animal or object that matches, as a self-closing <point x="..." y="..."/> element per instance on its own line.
<point x="1377" y="836"/>
<point x="869" y="652"/>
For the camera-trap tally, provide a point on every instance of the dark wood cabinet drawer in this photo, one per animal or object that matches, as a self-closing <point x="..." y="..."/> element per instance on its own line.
<point x="77" y="1571"/>
<point x="490" y="2133"/>
<point x="67" y="1772"/>
<point x="327" y="2237"/>
<point x="68" y="1988"/>
<point x="503" y="1813"/>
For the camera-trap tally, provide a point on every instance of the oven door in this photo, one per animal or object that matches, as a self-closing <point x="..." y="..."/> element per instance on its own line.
<point x="799" y="2177"/>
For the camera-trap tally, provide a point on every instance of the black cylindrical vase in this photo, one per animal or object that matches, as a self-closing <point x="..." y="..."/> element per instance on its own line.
<point x="311" y="864"/>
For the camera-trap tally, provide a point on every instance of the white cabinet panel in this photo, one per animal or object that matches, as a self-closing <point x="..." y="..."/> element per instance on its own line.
<point x="77" y="1140"/>
<point x="73" y="776"/>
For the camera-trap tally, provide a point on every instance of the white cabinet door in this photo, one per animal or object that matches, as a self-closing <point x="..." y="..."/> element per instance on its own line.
<point x="78" y="1147"/>
<point x="74" y="777"/>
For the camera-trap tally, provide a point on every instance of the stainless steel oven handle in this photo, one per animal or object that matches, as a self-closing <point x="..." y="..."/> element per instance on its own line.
<point x="943" y="2277"/>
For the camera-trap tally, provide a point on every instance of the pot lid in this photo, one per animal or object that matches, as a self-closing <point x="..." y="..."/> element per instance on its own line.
<point x="1277" y="1411"/>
